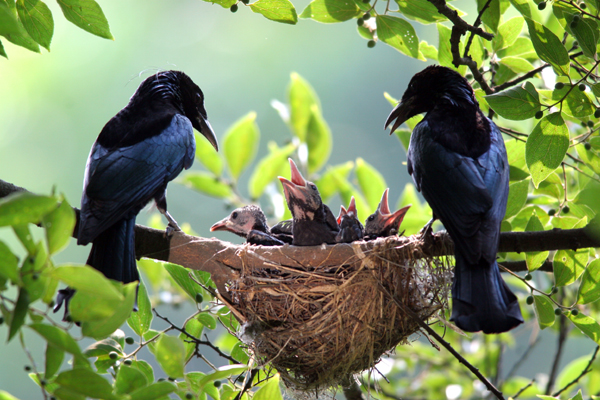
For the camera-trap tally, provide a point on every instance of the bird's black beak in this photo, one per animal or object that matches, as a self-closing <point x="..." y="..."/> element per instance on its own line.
<point x="403" y="111"/>
<point x="203" y="126"/>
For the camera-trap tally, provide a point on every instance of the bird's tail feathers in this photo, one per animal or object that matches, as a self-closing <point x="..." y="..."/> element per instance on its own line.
<point x="113" y="252"/>
<point x="481" y="300"/>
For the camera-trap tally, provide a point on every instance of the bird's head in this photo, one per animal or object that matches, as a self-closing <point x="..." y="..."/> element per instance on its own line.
<point x="343" y="212"/>
<point x="242" y="220"/>
<point x="433" y="86"/>
<point x="383" y="222"/>
<point x="302" y="196"/>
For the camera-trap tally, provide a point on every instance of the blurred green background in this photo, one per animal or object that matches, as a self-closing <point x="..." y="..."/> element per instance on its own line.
<point x="53" y="105"/>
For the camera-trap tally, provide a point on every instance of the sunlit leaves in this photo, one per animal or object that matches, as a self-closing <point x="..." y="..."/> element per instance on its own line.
<point x="37" y="20"/>
<point x="574" y="102"/>
<point x="549" y="47"/>
<point x="544" y="311"/>
<point x="223" y="3"/>
<point x="24" y="208"/>
<point x="207" y="320"/>
<point x="318" y="140"/>
<point x="8" y="264"/>
<point x="101" y="328"/>
<point x="516" y="103"/>
<point x="129" y="379"/>
<point x="269" y="391"/>
<point x="535" y="259"/>
<point x="89" y="280"/>
<point x="399" y="34"/>
<point x="53" y="360"/>
<point x="276" y="10"/>
<point x="170" y="354"/>
<point x="329" y="11"/>
<point x="587" y="325"/>
<point x="371" y="183"/>
<point x="508" y="33"/>
<point x="491" y="15"/>
<point x="19" y="313"/>
<point x="589" y="290"/>
<point x="546" y="146"/>
<point x="155" y="391"/>
<point x="208" y="156"/>
<point x="87" y="15"/>
<point x="517" y="195"/>
<point x="207" y="183"/>
<point x="569" y="265"/>
<point x="140" y="321"/>
<point x="59" y="226"/>
<point x="85" y="382"/>
<point x="268" y="168"/>
<point x="58" y="338"/>
<point x="181" y="275"/>
<point x="421" y="11"/>
<point x="241" y="143"/>
<point x="302" y="98"/>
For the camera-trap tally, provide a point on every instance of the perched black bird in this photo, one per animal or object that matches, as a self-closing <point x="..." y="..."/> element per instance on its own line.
<point x="249" y="222"/>
<point x="384" y="223"/>
<point x="350" y="227"/>
<point x="146" y="145"/>
<point x="458" y="161"/>
<point x="313" y="222"/>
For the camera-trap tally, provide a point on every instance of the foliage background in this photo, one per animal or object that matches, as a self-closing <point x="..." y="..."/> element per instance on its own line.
<point x="52" y="107"/>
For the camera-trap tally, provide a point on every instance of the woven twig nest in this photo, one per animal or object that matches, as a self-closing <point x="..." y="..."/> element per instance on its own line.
<point x="320" y="324"/>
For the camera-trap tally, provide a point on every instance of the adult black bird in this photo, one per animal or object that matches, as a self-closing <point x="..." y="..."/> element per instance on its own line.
<point x="313" y="222"/>
<point x="384" y="223"/>
<point x="350" y="227"/>
<point x="249" y="222"/>
<point x="146" y="145"/>
<point x="457" y="159"/>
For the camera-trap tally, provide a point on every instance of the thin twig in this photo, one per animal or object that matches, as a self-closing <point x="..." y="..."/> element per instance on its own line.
<point x="584" y="372"/>
<point x="562" y="337"/>
<point x="476" y="24"/>
<point x="524" y="388"/>
<point x="453" y="16"/>
<point x="522" y="358"/>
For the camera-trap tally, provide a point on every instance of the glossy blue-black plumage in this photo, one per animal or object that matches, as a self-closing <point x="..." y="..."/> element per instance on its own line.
<point x="141" y="149"/>
<point x="458" y="161"/>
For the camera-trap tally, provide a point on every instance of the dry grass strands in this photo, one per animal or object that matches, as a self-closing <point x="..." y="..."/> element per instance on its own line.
<point x="320" y="324"/>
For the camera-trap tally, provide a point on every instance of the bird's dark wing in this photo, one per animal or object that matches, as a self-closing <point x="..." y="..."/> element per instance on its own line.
<point x="440" y="174"/>
<point x="123" y="180"/>
<point x="284" y="227"/>
<point x="330" y="219"/>
<point x="263" y="239"/>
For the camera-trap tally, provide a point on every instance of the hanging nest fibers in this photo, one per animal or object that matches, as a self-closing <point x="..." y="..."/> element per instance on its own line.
<point x="319" y="324"/>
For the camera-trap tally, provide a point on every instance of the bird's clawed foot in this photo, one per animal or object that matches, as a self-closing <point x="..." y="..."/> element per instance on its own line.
<point x="172" y="227"/>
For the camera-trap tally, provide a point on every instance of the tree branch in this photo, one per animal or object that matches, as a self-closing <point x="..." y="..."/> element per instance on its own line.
<point x="453" y="16"/>
<point x="222" y="259"/>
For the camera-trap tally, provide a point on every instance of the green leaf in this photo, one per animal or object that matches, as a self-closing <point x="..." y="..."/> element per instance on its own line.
<point x="155" y="391"/>
<point x="208" y="156"/>
<point x="194" y="328"/>
<point x="222" y="373"/>
<point x="587" y="325"/>
<point x="86" y="306"/>
<point x="24" y="208"/>
<point x="302" y="97"/>
<point x="589" y="290"/>
<point x="170" y="354"/>
<point x="20" y="37"/>
<point x="327" y="183"/>
<point x="85" y="382"/>
<point x="100" y="329"/>
<point x="276" y="10"/>
<point x="546" y="147"/>
<point x="517" y="103"/>
<point x="207" y="183"/>
<point x="399" y="34"/>
<point x="140" y="321"/>
<point x="87" y="279"/>
<point x="59" y="226"/>
<point x="544" y="311"/>
<point x="422" y="11"/>
<point x="522" y="6"/>
<point x="207" y="320"/>
<point x="549" y="47"/>
<point x="8" y="21"/>
<point x="33" y="280"/>
<point x="2" y="52"/>
<point x="103" y="348"/>
<point x="181" y="275"/>
<point x="6" y="396"/>
<point x="241" y="143"/>
<point x="53" y="360"/>
<point x="268" y="168"/>
<point x="517" y="195"/>
<point x="491" y="16"/>
<point x="590" y="157"/>
<point x="576" y="104"/>
<point x="331" y="11"/>
<point x="508" y="33"/>
<point x="129" y="379"/>
<point x="87" y="15"/>
<point x="318" y="140"/>
<point x="568" y="265"/>
<point x="19" y="313"/>
<point x="535" y="259"/>
<point x="37" y="20"/>
<point x="586" y="33"/>
<point x="222" y="3"/>
<point x="371" y="183"/>
<point x="428" y="50"/>
<point x="270" y="390"/>
<point x="59" y="339"/>
<point x="9" y="264"/>
<point x="239" y="354"/>
<point x="145" y="368"/>
<point x="517" y="65"/>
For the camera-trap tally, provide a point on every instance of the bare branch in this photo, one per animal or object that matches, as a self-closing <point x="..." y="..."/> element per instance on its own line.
<point x="586" y="370"/>
<point x="457" y="21"/>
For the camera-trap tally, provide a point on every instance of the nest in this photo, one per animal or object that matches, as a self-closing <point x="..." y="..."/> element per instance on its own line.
<point x="320" y="324"/>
